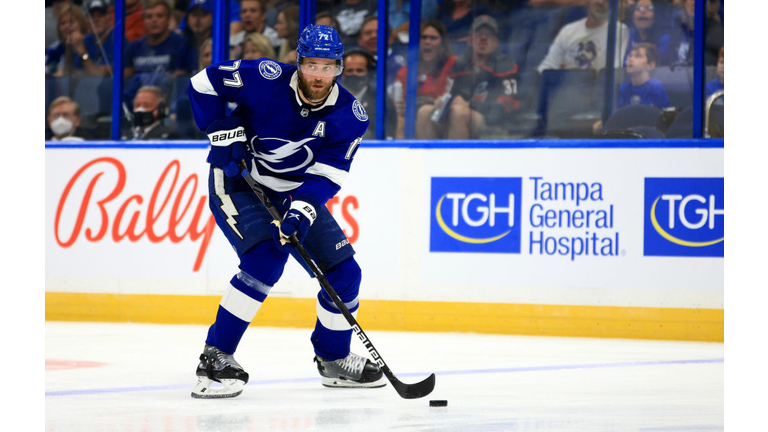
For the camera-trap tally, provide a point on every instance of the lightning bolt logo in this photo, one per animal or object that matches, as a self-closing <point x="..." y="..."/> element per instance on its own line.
<point x="227" y="205"/>
<point x="279" y="154"/>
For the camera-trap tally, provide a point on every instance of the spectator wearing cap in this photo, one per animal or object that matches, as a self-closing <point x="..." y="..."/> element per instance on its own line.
<point x="457" y="15"/>
<point x="199" y="26"/>
<point x="358" y="78"/>
<point x="484" y="89"/>
<point x="253" y="15"/>
<point x="96" y="50"/>
<point x="583" y="44"/>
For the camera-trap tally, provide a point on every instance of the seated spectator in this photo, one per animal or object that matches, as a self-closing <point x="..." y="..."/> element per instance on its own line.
<point x="357" y="78"/>
<point x="350" y="14"/>
<point x="644" y="29"/>
<point x="149" y="110"/>
<point x="158" y="57"/>
<point x="717" y="84"/>
<point x="256" y="46"/>
<point x="483" y="90"/>
<point x="287" y="27"/>
<point x="198" y="27"/>
<point x="206" y="55"/>
<point x="682" y="34"/>
<point x="134" y="20"/>
<point x="97" y="48"/>
<point x="681" y="44"/>
<point x="369" y="35"/>
<point x="63" y="121"/>
<point x="399" y="11"/>
<point x="435" y="63"/>
<point x="583" y="44"/>
<point x="457" y="15"/>
<point x="253" y="14"/>
<point x="325" y="18"/>
<point x="641" y="89"/>
<point x="61" y="58"/>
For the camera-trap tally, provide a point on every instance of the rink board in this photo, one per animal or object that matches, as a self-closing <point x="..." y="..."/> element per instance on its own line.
<point x="576" y="241"/>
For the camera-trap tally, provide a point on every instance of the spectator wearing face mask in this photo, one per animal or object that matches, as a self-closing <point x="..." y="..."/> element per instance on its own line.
<point x="358" y="77"/>
<point x="149" y="110"/>
<point x="63" y="121"/>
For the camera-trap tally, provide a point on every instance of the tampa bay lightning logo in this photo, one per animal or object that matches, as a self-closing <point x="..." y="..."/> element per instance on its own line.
<point x="269" y="69"/>
<point x="359" y="111"/>
<point x="268" y="159"/>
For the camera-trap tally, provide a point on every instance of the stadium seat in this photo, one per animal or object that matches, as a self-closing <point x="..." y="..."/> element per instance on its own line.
<point x="535" y="54"/>
<point x="717" y="121"/>
<point x="564" y="100"/>
<point x="678" y="81"/>
<point x="633" y="116"/>
<point x="682" y="126"/>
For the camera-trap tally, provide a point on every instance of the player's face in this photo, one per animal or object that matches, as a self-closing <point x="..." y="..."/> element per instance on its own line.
<point x="156" y="20"/>
<point x="643" y="16"/>
<point x="317" y="77"/>
<point x="251" y="16"/>
<point x="430" y="43"/>
<point x="484" y="41"/>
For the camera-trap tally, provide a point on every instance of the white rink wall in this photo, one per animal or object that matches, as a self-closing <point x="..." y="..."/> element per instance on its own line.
<point x="136" y="221"/>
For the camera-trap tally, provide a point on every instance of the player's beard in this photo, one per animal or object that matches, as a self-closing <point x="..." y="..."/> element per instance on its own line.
<point x="311" y="94"/>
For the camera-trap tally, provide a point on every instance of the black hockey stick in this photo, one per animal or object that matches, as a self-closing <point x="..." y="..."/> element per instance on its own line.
<point x="406" y="391"/>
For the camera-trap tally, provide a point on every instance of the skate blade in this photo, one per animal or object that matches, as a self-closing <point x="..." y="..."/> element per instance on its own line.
<point x="230" y="388"/>
<point x="340" y="383"/>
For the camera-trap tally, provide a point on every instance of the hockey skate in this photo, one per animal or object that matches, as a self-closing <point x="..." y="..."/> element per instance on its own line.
<point x="218" y="366"/>
<point x="352" y="371"/>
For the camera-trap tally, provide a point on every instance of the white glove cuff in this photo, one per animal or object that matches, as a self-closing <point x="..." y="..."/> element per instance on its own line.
<point x="306" y="209"/>
<point x="224" y="138"/>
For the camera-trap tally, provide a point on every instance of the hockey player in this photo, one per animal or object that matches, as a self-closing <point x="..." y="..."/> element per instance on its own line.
<point x="298" y="132"/>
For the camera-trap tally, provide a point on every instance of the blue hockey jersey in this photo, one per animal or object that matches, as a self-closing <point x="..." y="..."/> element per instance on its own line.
<point x="298" y="149"/>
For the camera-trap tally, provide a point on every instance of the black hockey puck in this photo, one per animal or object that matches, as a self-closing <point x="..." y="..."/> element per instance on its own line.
<point x="438" y="403"/>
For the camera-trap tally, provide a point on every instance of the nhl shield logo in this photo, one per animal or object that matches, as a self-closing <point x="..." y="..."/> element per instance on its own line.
<point x="304" y="112"/>
<point x="359" y="111"/>
<point x="269" y="69"/>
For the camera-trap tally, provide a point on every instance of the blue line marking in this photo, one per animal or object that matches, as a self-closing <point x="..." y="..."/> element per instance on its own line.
<point x="411" y="374"/>
<point x="426" y="144"/>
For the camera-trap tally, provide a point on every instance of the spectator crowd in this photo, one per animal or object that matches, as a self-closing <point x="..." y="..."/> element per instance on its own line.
<point x="486" y="68"/>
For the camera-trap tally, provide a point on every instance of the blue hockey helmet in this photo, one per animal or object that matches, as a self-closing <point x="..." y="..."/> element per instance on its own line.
<point x="320" y="41"/>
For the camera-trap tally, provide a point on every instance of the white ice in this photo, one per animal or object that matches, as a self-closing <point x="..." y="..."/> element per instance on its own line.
<point x="138" y="377"/>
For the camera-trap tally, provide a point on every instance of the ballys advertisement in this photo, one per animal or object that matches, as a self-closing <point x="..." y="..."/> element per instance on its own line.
<point x="143" y="214"/>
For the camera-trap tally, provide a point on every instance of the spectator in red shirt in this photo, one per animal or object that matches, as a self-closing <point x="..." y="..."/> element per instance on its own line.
<point x="435" y="63"/>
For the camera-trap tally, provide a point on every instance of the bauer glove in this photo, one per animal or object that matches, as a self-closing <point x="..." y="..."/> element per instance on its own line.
<point x="228" y="145"/>
<point x="297" y="220"/>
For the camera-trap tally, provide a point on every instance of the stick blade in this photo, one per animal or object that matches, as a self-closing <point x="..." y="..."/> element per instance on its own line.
<point x="415" y="391"/>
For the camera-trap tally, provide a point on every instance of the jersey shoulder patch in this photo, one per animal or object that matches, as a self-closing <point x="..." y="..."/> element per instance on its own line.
<point x="359" y="111"/>
<point x="270" y="69"/>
